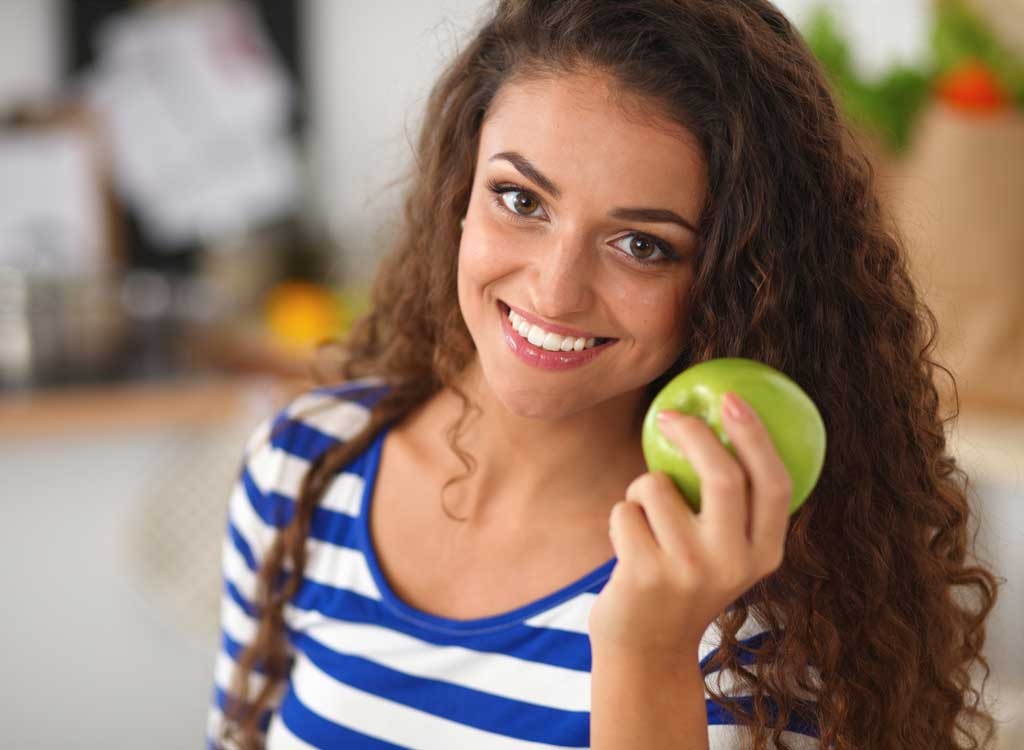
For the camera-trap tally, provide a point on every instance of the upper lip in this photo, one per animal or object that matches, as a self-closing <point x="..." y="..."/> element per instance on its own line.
<point x="551" y="327"/>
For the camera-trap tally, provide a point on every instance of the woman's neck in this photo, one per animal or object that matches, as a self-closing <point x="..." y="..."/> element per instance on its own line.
<point x="526" y="469"/>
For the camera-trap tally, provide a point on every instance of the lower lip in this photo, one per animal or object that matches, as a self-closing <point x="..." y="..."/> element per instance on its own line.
<point x="542" y="358"/>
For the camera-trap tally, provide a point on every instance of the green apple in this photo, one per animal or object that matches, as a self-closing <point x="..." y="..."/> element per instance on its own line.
<point x="789" y="415"/>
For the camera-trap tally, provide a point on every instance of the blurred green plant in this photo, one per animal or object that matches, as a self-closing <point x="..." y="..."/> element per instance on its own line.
<point x="889" y="105"/>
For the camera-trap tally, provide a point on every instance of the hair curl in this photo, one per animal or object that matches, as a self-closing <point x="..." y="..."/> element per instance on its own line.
<point x="878" y="611"/>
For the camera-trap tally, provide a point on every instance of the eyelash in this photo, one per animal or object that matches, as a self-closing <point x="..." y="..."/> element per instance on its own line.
<point x="500" y="188"/>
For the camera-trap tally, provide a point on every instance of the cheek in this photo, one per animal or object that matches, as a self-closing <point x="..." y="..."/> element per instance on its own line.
<point x="483" y="258"/>
<point x="662" y="316"/>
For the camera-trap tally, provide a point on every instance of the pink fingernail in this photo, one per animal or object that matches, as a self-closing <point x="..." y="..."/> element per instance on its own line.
<point x="735" y="409"/>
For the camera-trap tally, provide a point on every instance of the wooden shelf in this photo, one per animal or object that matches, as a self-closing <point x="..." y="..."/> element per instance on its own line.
<point x="194" y="402"/>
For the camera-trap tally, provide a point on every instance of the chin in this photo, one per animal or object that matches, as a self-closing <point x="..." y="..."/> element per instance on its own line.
<point x="530" y="403"/>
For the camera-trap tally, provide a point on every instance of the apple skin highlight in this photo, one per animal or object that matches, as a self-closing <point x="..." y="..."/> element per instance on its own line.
<point x="787" y="412"/>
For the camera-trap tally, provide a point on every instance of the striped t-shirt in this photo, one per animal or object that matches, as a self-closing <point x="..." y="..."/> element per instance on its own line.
<point x="370" y="672"/>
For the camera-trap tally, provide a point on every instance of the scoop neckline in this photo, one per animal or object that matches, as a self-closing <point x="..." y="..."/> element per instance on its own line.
<point x="437" y="623"/>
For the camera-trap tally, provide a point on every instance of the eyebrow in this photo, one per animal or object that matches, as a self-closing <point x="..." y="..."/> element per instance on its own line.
<point x="649" y="215"/>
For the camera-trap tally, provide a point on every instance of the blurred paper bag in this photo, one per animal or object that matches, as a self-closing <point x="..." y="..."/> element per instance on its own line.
<point x="959" y="199"/>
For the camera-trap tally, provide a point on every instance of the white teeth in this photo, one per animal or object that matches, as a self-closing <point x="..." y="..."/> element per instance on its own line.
<point x="550" y="341"/>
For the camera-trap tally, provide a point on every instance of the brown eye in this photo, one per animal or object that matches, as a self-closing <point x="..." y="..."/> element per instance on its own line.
<point x="518" y="202"/>
<point x="524" y="203"/>
<point x="644" y="250"/>
<point x="641" y="247"/>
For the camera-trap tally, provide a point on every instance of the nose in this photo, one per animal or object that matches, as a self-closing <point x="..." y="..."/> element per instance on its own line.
<point x="560" y="277"/>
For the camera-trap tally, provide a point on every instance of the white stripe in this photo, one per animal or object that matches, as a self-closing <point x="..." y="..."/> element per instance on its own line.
<point x="259" y="436"/>
<point x="712" y="637"/>
<point x="280" y="737"/>
<point x="237" y="571"/>
<point x="238" y="626"/>
<point x="730" y="737"/>
<point x="243" y="516"/>
<point x="225" y="668"/>
<point x="276" y="470"/>
<point x="344" y="494"/>
<point x="340" y="567"/>
<point x="332" y="416"/>
<point x="497" y="674"/>
<point x="571" y="615"/>
<point x="287" y="476"/>
<point x="265" y="466"/>
<point x="214" y="722"/>
<point x="326" y="563"/>
<point x="391" y="721"/>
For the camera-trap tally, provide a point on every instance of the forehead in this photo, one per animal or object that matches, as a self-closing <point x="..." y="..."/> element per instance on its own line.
<point x="581" y="129"/>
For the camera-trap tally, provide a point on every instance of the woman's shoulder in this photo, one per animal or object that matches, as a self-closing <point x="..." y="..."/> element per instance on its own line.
<point x="314" y="420"/>
<point x="280" y="451"/>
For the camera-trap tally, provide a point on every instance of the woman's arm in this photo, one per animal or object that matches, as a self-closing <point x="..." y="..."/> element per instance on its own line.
<point x="655" y="702"/>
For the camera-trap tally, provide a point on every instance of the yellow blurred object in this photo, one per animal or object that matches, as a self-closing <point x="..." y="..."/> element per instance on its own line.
<point x="300" y="315"/>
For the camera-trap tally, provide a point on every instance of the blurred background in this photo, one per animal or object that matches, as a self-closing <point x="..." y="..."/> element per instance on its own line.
<point x="193" y="194"/>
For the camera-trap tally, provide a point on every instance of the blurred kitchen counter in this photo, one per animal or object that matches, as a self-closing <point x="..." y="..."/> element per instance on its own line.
<point x="233" y="370"/>
<point x="77" y="409"/>
<point x="988" y="446"/>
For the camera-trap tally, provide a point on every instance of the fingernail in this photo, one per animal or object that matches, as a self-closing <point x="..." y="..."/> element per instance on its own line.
<point x="735" y="409"/>
<point x="666" y="416"/>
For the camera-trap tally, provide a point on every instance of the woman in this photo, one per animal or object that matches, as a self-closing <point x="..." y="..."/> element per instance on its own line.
<point x="456" y="542"/>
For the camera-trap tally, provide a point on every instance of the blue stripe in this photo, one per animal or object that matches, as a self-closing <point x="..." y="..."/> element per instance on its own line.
<point x="237" y="597"/>
<point x="320" y="732"/>
<point x="746" y="655"/>
<point x="231" y="647"/>
<point x="718" y="715"/>
<point x="485" y="711"/>
<point x="558" y="648"/>
<point x="242" y="546"/>
<point x="300" y="439"/>
<point x="275" y="510"/>
<point x="356" y="391"/>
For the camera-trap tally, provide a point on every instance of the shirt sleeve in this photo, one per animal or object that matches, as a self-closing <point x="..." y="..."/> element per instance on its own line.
<point x="256" y="514"/>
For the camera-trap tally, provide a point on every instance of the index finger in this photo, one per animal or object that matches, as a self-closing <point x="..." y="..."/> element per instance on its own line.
<point x="723" y="484"/>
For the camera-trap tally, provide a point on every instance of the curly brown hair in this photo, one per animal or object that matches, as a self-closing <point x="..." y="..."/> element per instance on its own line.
<point x="878" y="612"/>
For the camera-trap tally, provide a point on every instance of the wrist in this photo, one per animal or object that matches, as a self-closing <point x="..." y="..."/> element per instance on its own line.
<point x="668" y="654"/>
<point x="649" y="665"/>
<point x="650" y="698"/>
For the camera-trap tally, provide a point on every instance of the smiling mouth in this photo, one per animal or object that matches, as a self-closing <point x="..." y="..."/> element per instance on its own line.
<point x="551" y="340"/>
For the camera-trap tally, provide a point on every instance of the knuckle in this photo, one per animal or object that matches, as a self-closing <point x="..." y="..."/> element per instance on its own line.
<point x="642" y="487"/>
<point x="619" y="511"/>
<point x="646" y="577"/>
<point x="725" y="482"/>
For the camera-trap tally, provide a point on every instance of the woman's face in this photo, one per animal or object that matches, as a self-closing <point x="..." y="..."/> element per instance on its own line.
<point x="582" y="220"/>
